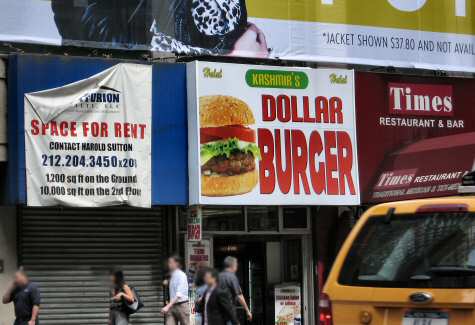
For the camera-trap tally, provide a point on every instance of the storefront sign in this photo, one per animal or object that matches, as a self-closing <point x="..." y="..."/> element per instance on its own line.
<point x="431" y="34"/>
<point x="194" y="227"/>
<point x="88" y="144"/>
<point x="420" y="99"/>
<point x="288" y="305"/>
<point x="198" y="254"/>
<point x="425" y="137"/>
<point x="271" y="136"/>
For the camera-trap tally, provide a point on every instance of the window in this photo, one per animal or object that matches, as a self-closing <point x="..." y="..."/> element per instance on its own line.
<point x="223" y="219"/>
<point x="292" y="260"/>
<point x="272" y="219"/>
<point x="182" y="215"/>
<point x="421" y="251"/>
<point x="260" y="218"/>
<point x="295" y="218"/>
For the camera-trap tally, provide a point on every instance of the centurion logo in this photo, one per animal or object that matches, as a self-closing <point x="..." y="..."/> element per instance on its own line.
<point x="421" y="99"/>
<point x="104" y="95"/>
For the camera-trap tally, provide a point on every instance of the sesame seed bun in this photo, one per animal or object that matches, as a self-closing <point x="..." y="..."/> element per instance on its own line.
<point x="216" y="111"/>
<point x="217" y="185"/>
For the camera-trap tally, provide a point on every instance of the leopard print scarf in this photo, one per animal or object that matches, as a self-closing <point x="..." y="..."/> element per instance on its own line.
<point x="211" y="18"/>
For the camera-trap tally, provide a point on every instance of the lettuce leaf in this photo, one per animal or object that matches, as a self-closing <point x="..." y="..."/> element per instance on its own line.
<point x="226" y="148"/>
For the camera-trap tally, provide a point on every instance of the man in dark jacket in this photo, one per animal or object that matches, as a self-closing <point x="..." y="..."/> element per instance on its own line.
<point x="229" y="281"/>
<point x="25" y="296"/>
<point x="216" y="306"/>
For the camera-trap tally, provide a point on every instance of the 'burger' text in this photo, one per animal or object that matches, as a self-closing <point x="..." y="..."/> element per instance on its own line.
<point x="311" y="162"/>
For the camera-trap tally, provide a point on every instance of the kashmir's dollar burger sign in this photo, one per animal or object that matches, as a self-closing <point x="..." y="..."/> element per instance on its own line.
<point x="271" y="136"/>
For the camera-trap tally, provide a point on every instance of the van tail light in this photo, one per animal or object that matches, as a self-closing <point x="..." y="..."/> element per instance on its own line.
<point x="325" y="308"/>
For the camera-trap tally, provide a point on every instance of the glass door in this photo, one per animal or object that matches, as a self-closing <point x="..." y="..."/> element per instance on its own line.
<point x="251" y="273"/>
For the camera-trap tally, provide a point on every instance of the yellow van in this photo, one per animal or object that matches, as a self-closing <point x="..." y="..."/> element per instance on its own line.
<point x="406" y="263"/>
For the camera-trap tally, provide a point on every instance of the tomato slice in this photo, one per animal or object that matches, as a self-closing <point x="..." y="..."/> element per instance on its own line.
<point x="226" y="132"/>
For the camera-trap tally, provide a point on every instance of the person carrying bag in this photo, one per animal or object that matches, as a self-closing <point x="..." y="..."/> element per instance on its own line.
<point x="125" y="300"/>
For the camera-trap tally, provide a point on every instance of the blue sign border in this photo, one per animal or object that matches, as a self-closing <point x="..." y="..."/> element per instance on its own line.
<point x="29" y="73"/>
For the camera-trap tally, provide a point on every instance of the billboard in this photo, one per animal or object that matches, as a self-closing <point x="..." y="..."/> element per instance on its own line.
<point x="261" y="135"/>
<point x="425" y="138"/>
<point x="432" y="34"/>
<point x="88" y="144"/>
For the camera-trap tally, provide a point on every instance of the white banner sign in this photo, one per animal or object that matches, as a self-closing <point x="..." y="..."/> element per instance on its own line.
<point x="198" y="255"/>
<point x="261" y="135"/>
<point x="88" y="144"/>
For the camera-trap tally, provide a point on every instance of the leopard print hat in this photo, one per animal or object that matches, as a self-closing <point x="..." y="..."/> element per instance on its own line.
<point x="210" y="27"/>
<point x="216" y="17"/>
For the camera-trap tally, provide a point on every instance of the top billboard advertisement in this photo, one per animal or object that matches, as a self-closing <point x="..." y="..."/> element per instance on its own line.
<point x="432" y="34"/>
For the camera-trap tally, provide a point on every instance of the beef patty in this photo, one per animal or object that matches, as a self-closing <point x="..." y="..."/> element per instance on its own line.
<point x="237" y="163"/>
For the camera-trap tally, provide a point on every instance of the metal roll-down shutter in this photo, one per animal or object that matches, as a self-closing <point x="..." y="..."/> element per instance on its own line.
<point x="69" y="252"/>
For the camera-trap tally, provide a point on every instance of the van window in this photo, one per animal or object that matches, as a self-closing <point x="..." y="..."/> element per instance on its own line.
<point x="435" y="250"/>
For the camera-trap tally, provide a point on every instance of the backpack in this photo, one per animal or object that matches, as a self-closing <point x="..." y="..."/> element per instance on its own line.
<point x="138" y="304"/>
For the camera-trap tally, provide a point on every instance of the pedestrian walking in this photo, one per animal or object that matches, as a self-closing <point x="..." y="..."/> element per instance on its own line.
<point x="229" y="281"/>
<point x="177" y="311"/>
<point x="200" y="289"/>
<point x="165" y="287"/>
<point x="122" y="294"/>
<point x="216" y="304"/>
<point x="26" y="299"/>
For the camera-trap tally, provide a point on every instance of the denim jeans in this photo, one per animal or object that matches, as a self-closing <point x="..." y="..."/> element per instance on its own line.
<point x="198" y="319"/>
<point x="119" y="318"/>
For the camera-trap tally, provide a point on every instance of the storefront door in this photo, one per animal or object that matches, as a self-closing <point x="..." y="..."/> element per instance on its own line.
<point x="264" y="263"/>
<point x="274" y="249"/>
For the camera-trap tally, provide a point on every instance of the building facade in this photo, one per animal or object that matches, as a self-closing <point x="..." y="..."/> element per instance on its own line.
<point x="371" y="130"/>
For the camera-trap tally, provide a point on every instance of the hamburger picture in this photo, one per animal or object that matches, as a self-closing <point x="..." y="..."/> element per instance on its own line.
<point x="228" y="150"/>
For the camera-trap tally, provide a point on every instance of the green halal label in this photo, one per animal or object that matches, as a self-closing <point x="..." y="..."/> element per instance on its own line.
<point x="276" y="79"/>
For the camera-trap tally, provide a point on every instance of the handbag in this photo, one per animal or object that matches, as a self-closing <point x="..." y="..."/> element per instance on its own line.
<point x="134" y="307"/>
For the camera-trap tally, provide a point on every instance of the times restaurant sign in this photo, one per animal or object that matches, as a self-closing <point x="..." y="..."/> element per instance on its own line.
<point x="425" y="138"/>
<point x="420" y="99"/>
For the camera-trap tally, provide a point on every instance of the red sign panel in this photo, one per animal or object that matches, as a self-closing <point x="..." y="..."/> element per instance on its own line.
<point x="416" y="135"/>
<point x="420" y="99"/>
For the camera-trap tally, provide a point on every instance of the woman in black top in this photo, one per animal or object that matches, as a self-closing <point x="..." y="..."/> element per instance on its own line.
<point x="121" y="295"/>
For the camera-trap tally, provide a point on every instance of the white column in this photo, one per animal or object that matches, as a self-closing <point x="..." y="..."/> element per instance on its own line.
<point x="461" y="8"/>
